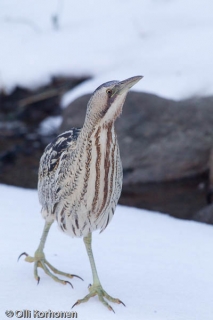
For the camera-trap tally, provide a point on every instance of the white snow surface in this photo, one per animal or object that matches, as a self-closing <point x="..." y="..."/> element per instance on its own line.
<point x="50" y="125"/>
<point x="170" y="42"/>
<point x="160" y="267"/>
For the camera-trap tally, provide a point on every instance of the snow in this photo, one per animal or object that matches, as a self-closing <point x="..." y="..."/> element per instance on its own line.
<point x="169" y="42"/>
<point x="50" y="125"/>
<point x="160" y="267"/>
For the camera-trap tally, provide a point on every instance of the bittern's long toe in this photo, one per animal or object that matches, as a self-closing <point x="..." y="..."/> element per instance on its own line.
<point x="101" y="293"/>
<point x="41" y="262"/>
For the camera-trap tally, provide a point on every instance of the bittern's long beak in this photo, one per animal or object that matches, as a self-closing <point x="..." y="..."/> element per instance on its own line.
<point x="125" y="85"/>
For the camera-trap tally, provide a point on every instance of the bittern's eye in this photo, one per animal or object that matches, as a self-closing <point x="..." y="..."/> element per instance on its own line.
<point x="109" y="92"/>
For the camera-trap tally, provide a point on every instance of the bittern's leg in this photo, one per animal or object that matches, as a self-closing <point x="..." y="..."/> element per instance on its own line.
<point x="40" y="260"/>
<point x="96" y="287"/>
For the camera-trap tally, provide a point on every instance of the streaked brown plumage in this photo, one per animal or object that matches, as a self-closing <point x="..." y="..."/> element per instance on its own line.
<point x="80" y="177"/>
<point x="82" y="196"/>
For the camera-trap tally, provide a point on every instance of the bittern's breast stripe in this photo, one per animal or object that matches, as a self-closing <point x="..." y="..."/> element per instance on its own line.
<point x="112" y="176"/>
<point x="104" y="220"/>
<point x="97" y="169"/>
<point x="87" y="171"/>
<point x="106" y="168"/>
<point x="86" y="177"/>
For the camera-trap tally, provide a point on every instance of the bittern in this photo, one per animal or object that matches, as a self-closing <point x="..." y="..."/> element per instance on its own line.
<point x="80" y="180"/>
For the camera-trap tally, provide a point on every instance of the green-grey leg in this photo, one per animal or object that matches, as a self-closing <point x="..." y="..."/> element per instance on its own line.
<point x="40" y="260"/>
<point x="96" y="287"/>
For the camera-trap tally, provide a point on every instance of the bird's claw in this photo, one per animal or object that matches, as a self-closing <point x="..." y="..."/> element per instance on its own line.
<point x="40" y="261"/>
<point x="69" y="283"/>
<point x="101" y="293"/>
<point x="22" y="254"/>
<point x="74" y="275"/>
<point x="122" y="303"/>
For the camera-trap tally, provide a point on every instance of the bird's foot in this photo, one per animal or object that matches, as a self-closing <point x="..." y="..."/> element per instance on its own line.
<point x="101" y="293"/>
<point x="40" y="261"/>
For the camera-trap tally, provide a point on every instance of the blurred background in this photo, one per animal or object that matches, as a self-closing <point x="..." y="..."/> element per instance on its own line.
<point x="53" y="54"/>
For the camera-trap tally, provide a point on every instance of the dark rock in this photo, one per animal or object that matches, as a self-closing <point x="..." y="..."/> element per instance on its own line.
<point x="204" y="215"/>
<point x="8" y="157"/>
<point x="179" y="198"/>
<point x="33" y="106"/>
<point x="21" y="112"/>
<point x="33" y="113"/>
<point x="160" y="139"/>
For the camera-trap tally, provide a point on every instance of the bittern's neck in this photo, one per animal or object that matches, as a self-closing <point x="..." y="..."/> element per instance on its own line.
<point x="90" y="130"/>
<point x="91" y="125"/>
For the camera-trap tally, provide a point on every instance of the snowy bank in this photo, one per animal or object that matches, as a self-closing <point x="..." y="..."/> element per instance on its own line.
<point x="169" y="42"/>
<point x="159" y="266"/>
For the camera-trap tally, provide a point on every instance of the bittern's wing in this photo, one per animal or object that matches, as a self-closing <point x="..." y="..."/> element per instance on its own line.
<point x="64" y="144"/>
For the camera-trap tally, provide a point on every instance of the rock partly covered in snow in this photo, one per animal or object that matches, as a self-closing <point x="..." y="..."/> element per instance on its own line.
<point x="160" y="139"/>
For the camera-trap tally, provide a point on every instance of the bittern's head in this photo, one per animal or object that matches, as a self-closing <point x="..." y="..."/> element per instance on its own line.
<point x="107" y="101"/>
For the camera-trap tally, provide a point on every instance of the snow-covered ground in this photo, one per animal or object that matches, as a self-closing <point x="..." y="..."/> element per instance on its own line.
<point x="159" y="266"/>
<point x="170" y="42"/>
